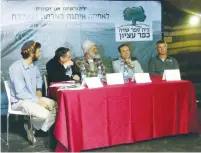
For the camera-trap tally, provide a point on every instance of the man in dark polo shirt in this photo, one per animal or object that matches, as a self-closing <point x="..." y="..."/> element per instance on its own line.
<point x="162" y="61"/>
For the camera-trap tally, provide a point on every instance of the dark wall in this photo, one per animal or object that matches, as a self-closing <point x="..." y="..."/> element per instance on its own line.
<point x="184" y="43"/>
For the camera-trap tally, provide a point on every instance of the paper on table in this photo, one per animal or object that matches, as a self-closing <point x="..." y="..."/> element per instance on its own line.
<point x="172" y="75"/>
<point x="141" y="78"/>
<point x="60" y="85"/>
<point x="114" y="78"/>
<point x="69" y="81"/>
<point x="66" y="88"/>
<point x="93" y="82"/>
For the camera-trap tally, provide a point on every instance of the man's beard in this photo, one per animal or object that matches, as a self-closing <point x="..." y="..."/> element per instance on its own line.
<point x="34" y="58"/>
<point x="94" y="55"/>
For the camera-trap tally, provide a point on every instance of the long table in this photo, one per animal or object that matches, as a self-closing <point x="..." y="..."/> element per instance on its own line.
<point x="119" y="114"/>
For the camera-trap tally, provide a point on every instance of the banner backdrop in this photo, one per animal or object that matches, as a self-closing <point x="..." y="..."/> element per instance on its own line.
<point x="70" y="23"/>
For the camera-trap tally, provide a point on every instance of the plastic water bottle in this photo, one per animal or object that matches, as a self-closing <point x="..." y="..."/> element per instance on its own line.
<point x="99" y="74"/>
<point x="83" y="72"/>
<point x="125" y="74"/>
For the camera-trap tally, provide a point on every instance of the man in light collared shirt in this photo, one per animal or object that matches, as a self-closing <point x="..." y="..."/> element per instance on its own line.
<point x="26" y="95"/>
<point x="125" y="61"/>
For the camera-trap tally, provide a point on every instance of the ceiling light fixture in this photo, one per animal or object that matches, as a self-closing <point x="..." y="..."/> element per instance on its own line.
<point x="194" y="20"/>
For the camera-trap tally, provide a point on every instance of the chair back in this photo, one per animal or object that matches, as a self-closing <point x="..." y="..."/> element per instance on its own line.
<point x="46" y="83"/>
<point x="7" y="87"/>
<point x="8" y="92"/>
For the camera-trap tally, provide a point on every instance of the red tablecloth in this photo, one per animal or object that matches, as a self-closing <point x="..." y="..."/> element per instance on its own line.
<point x="119" y="114"/>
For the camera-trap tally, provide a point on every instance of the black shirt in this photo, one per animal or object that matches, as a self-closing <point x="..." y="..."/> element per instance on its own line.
<point x="56" y="71"/>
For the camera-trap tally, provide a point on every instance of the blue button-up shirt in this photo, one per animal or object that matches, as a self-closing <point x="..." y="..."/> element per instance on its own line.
<point x="24" y="80"/>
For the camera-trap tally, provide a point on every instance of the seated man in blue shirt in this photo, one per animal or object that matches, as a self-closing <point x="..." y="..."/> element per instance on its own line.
<point x="26" y="96"/>
<point x="125" y="62"/>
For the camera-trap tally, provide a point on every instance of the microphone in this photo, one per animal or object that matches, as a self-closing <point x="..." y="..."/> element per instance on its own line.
<point x="128" y="62"/>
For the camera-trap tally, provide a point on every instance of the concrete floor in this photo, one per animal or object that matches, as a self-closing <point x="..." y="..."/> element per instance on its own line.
<point x="18" y="142"/>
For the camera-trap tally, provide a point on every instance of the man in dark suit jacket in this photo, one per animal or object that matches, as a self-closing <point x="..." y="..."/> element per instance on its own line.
<point x="61" y="67"/>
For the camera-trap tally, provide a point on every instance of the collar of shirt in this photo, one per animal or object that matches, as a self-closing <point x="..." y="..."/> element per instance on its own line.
<point x="65" y="66"/>
<point x="25" y="65"/>
<point x="121" y="60"/>
<point x="167" y="58"/>
<point x="90" y="60"/>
